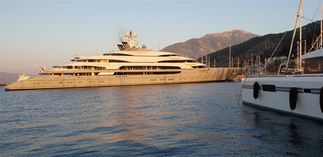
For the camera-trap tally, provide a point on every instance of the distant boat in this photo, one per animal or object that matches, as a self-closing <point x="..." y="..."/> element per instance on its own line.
<point x="132" y="65"/>
<point x="297" y="94"/>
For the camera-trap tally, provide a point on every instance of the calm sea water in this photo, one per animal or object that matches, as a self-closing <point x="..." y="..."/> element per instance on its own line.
<point x="154" y="120"/>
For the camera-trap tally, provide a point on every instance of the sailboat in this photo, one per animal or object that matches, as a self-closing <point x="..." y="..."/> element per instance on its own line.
<point x="293" y="93"/>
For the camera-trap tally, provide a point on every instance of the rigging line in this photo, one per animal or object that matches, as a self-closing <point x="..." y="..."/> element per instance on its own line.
<point x="317" y="39"/>
<point x="278" y="44"/>
<point x="314" y="32"/>
<point x="318" y="8"/>
<point x="308" y="19"/>
<point x="311" y="20"/>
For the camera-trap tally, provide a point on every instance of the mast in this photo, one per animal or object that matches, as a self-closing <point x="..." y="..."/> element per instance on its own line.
<point x="210" y="62"/>
<point x="230" y="56"/>
<point x="300" y="40"/>
<point x="258" y="63"/>
<point x="321" y="32"/>
<point x="299" y="14"/>
<point x="207" y="61"/>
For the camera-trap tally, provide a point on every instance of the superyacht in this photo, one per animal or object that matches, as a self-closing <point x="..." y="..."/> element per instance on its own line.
<point x="130" y="65"/>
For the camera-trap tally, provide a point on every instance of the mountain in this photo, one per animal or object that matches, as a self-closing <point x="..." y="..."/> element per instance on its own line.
<point x="8" y="77"/>
<point x="264" y="46"/>
<point x="198" y="47"/>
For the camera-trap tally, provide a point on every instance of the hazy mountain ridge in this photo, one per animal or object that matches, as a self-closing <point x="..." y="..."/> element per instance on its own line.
<point x="197" y="47"/>
<point x="8" y="77"/>
<point x="265" y="46"/>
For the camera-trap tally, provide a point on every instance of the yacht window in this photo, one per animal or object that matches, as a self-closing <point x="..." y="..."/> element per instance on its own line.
<point x="148" y="67"/>
<point x="116" y="54"/>
<point x="80" y="60"/>
<point x="168" y="55"/>
<point x="116" y="61"/>
<point x="91" y="60"/>
<point x="177" y="61"/>
<point x="196" y="67"/>
<point x="313" y="65"/>
<point x="269" y="88"/>
<point x="307" y="90"/>
<point x="146" y="73"/>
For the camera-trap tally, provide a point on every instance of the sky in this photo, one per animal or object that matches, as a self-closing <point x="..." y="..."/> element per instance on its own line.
<point x="45" y="33"/>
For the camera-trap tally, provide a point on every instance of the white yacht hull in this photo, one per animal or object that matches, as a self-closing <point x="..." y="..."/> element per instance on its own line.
<point x="308" y="99"/>
<point x="186" y="76"/>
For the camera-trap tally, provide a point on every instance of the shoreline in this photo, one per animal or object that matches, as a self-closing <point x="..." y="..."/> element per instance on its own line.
<point x="3" y="84"/>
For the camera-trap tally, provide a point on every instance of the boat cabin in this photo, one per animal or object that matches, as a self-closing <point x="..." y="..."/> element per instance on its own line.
<point x="313" y="62"/>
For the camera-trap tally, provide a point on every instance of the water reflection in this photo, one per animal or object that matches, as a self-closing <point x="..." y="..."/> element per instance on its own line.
<point x="160" y="120"/>
<point x="294" y="138"/>
<point x="290" y="135"/>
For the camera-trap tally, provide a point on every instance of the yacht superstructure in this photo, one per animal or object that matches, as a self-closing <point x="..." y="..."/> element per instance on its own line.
<point x="132" y="65"/>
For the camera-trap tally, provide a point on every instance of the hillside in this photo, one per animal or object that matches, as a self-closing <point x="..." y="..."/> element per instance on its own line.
<point x="8" y="77"/>
<point x="264" y="46"/>
<point x="198" y="47"/>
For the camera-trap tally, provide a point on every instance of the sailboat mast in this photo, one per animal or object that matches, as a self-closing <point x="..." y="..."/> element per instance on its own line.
<point x="294" y="33"/>
<point x="230" y="56"/>
<point x="300" y="39"/>
<point x="321" y="32"/>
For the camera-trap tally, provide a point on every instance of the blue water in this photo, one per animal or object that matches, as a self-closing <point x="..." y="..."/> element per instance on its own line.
<point x="154" y="120"/>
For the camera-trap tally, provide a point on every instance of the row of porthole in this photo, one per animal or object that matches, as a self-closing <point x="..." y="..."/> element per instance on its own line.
<point x="79" y="82"/>
<point x="293" y="94"/>
<point x="38" y="83"/>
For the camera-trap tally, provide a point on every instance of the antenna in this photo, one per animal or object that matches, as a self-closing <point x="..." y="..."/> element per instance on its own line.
<point x="132" y="39"/>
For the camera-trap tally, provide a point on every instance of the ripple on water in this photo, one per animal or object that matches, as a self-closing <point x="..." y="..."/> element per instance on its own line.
<point x="158" y="120"/>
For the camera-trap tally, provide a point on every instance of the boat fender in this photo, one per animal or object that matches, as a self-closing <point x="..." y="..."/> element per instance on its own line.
<point x="256" y="89"/>
<point x="293" y="98"/>
<point x="321" y="99"/>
